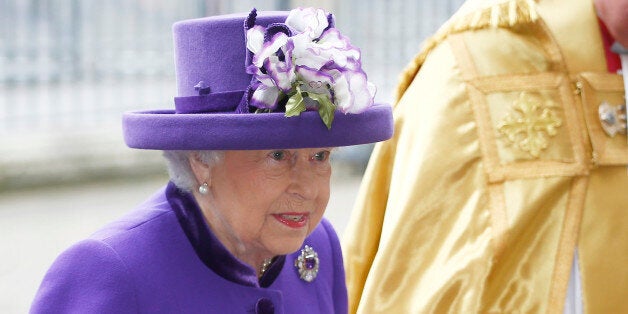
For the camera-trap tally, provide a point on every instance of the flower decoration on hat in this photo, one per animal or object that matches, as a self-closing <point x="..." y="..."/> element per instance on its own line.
<point x="305" y="64"/>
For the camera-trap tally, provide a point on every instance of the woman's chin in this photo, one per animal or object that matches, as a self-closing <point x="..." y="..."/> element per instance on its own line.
<point x="288" y="246"/>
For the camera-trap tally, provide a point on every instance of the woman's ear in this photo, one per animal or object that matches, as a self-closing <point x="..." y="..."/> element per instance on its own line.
<point x="199" y="168"/>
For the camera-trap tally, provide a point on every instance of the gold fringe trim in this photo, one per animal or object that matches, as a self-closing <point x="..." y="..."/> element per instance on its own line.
<point x="504" y="14"/>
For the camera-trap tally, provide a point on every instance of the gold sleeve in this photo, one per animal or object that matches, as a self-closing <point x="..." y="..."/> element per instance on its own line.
<point x="434" y="195"/>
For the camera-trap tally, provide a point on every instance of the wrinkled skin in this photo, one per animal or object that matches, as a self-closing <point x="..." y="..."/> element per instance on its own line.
<point x="264" y="203"/>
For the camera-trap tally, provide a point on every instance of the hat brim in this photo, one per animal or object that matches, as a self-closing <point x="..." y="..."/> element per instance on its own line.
<point x="165" y="130"/>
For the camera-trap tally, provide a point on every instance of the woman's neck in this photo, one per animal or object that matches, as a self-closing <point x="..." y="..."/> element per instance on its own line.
<point x="256" y="259"/>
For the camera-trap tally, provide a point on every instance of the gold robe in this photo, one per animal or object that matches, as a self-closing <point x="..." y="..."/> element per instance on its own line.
<point x="498" y="172"/>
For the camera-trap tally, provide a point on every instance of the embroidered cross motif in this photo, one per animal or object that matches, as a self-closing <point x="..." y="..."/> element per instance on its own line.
<point x="530" y="126"/>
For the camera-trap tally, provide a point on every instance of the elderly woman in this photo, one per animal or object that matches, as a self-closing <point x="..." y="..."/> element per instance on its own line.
<point x="239" y="228"/>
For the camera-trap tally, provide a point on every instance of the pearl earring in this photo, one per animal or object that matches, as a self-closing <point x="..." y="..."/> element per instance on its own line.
<point x="204" y="188"/>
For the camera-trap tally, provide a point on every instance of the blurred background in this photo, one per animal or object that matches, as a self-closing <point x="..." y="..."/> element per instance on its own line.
<point x="70" y="68"/>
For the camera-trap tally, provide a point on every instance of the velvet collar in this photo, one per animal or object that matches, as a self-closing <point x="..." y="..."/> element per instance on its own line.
<point x="213" y="254"/>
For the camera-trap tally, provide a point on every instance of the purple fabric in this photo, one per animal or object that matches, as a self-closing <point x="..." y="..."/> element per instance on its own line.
<point x="275" y="28"/>
<point x="213" y="254"/>
<point x="144" y="263"/>
<point x="167" y="131"/>
<point x="218" y="102"/>
<point x="249" y="22"/>
<point x="213" y="51"/>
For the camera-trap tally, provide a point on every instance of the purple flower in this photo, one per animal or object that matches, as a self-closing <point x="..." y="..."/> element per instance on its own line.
<point x="271" y="65"/>
<point x="281" y="72"/>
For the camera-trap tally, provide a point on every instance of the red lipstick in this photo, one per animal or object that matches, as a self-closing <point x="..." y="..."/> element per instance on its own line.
<point x="293" y="220"/>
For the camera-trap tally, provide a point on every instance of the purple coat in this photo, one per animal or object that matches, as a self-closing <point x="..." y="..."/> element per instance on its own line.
<point x="160" y="259"/>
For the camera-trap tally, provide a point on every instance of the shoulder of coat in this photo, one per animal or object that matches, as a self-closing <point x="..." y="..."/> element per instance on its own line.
<point x="473" y="15"/>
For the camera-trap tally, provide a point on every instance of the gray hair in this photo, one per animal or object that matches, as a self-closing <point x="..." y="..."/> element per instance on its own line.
<point x="179" y="168"/>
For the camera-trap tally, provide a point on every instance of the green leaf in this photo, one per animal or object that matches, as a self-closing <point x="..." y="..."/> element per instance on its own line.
<point x="326" y="108"/>
<point x="295" y="105"/>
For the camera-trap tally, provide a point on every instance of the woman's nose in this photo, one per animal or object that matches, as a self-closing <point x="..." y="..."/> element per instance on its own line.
<point x="303" y="179"/>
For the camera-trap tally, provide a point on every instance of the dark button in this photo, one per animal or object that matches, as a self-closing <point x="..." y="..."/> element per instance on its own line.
<point x="264" y="306"/>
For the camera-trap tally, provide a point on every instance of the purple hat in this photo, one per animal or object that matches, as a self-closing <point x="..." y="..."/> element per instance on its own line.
<point x="266" y="80"/>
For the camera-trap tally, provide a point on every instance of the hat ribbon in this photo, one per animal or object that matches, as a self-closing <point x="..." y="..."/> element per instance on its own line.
<point x="214" y="102"/>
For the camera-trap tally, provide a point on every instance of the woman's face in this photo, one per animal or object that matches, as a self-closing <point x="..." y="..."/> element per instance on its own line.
<point x="264" y="203"/>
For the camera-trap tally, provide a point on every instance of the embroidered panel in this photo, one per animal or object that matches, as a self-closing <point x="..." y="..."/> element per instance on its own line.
<point x="529" y="126"/>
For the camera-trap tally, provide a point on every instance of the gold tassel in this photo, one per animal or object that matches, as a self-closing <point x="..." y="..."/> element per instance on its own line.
<point x="503" y="14"/>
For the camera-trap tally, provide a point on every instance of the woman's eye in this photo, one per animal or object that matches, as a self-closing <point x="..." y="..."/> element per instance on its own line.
<point x="278" y="155"/>
<point x="321" y="156"/>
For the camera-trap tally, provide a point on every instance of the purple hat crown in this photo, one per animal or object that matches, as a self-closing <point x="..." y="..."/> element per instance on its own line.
<point x="304" y="64"/>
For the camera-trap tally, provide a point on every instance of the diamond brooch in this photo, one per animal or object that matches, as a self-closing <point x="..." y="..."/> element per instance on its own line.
<point x="613" y="118"/>
<point x="307" y="264"/>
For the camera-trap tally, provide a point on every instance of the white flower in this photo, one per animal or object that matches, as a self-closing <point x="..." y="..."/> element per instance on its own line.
<point x="309" y="21"/>
<point x="269" y="48"/>
<point x="316" y="60"/>
<point x="314" y="81"/>
<point x="265" y="97"/>
<point x="279" y="73"/>
<point x="332" y="47"/>
<point x="338" y="48"/>
<point x="353" y="93"/>
<point x="255" y="39"/>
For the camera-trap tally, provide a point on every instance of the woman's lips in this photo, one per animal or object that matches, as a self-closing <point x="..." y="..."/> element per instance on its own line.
<point x="293" y="220"/>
